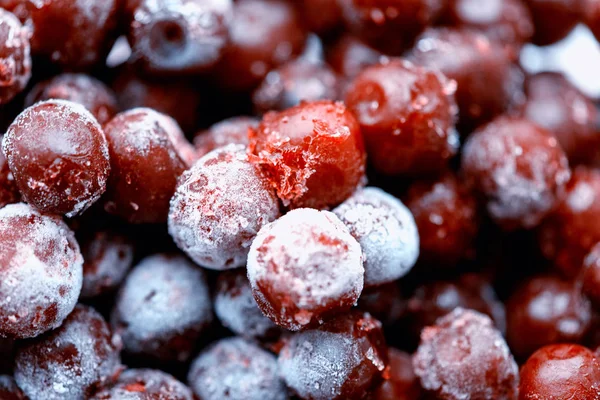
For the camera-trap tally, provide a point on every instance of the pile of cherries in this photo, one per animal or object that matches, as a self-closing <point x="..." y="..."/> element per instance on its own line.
<point x="285" y="199"/>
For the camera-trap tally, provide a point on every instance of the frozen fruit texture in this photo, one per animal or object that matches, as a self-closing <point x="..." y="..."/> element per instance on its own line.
<point x="59" y="157"/>
<point x="407" y="115"/>
<point x="229" y="131"/>
<point x="401" y="383"/>
<point x="236" y="308"/>
<point x="313" y="154"/>
<point x="162" y="308"/>
<point x="561" y="371"/>
<point x="83" y="89"/>
<point x="70" y="362"/>
<point x="145" y="384"/>
<point x="15" y="58"/>
<point x="236" y="369"/>
<point x="386" y="232"/>
<point x="384" y="302"/>
<point x="570" y="232"/>
<point x="9" y="192"/>
<point x="305" y="268"/>
<point x="464" y="357"/>
<point x="343" y="359"/>
<point x="518" y="168"/>
<point x="9" y="389"/>
<point x="41" y="275"/>
<point x="219" y="206"/>
<point x="148" y="152"/>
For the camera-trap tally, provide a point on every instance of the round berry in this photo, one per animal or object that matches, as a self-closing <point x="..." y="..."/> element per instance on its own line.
<point x="591" y="276"/>
<point x="312" y="154"/>
<point x="386" y="232"/>
<point x="58" y="155"/>
<point x="447" y="216"/>
<point x="236" y="308"/>
<point x="145" y="384"/>
<point x="9" y="389"/>
<point x="219" y="206"/>
<point x="236" y="369"/>
<point x="15" y="60"/>
<point x="555" y="104"/>
<point x="293" y="83"/>
<point x="162" y="308"/>
<point x="107" y="256"/>
<point x="407" y="115"/>
<point x="263" y="34"/>
<point x="561" y="371"/>
<point x="305" y="268"/>
<point x="41" y="275"/>
<point x="75" y="34"/>
<point x="343" y="359"/>
<point x="546" y="310"/>
<point x="570" y="232"/>
<point x="401" y="382"/>
<point x="83" y="89"/>
<point x="230" y="131"/>
<point x="181" y="36"/>
<point x="518" y="168"/>
<point x="554" y="19"/>
<point x="71" y="362"/>
<point x="486" y="80"/>
<point x="390" y="25"/>
<point x="464" y="357"/>
<point x="148" y="152"/>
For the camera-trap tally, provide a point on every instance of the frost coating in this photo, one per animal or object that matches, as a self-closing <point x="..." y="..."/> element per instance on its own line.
<point x="71" y="361"/>
<point x="464" y="357"/>
<point x="15" y="59"/>
<point x="238" y="370"/>
<point x="146" y="384"/>
<point x="41" y="274"/>
<point x="386" y="231"/>
<point x="304" y="266"/>
<point x="162" y="307"/>
<point x="219" y="206"/>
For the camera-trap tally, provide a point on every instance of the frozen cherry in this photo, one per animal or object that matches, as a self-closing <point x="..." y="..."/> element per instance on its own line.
<point x="349" y="56"/>
<point x="446" y="214"/>
<point x="236" y="369"/>
<point x="313" y="153"/>
<point x="230" y="131"/>
<point x="343" y="359"/>
<point x="107" y="256"/>
<point x="554" y="19"/>
<point x="41" y="275"/>
<point x="591" y="276"/>
<point x="162" y="308"/>
<point x="390" y="25"/>
<point x="305" y="268"/>
<point x="571" y="231"/>
<point x="219" y="206"/>
<point x="506" y="21"/>
<point x="433" y="300"/>
<point x="181" y="36"/>
<point x="407" y="115"/>
<point x="15" y="61"/>
<point x="546" y="310"/>
<point x="70" y="362"/>
<point x="75" y="34"/>
<point x="561" y="371"/>
<point x="555" y="104"/>
<point x="84" y="89"/>
<point x="9" y="389"/>
<point x="263" y="34"/>
<point x="148" y="152"/>
<point x="145" y="384"/>
<point x="464" y="357"/>
<point x="58" y="155"/>
<point x="236" y="308"/>
<point x="384" y="302"/>
<point x="487" y="81"/>
<point x="176" y="99"/>
<point x="9" y="193"/>
<point x="386" y="232"/>
<point x="518" y="168"/>
<point x="401" y="383"/>
<point x="294" y="82"/>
